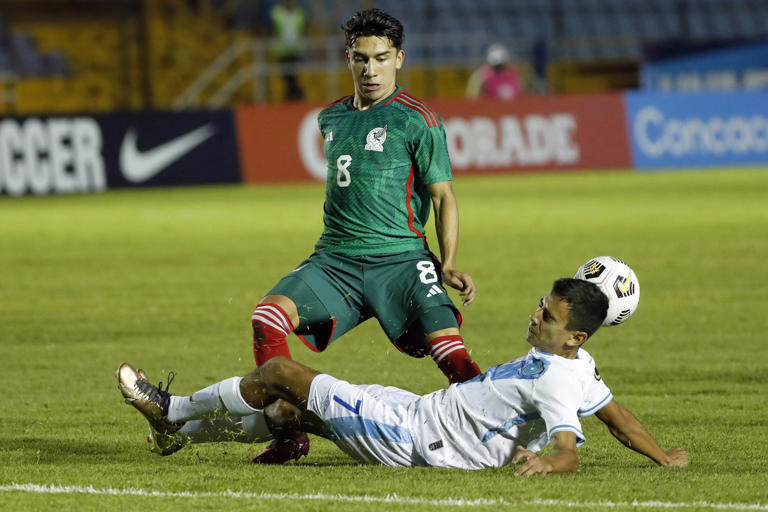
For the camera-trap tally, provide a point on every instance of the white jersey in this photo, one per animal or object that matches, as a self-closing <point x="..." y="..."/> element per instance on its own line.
<point x="479" y="423"/>
<point x="472" y="425"/>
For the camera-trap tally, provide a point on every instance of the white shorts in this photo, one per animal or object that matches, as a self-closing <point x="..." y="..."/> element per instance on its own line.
<point x="368" y="422"/>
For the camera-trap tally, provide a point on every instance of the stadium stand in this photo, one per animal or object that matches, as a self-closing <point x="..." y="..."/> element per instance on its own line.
<point x="92" y="55"/>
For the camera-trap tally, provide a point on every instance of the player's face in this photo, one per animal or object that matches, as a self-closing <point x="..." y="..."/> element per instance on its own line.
<point x="547" y="329"/>
<point x="373" y="62"/>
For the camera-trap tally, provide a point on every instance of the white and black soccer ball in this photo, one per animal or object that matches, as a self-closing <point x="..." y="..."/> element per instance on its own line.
<point x="618" y="281"/>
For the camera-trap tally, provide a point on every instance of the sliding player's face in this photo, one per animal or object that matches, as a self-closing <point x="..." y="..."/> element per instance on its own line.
<point x="374" y="62"/>
<point x="547" y="329"/>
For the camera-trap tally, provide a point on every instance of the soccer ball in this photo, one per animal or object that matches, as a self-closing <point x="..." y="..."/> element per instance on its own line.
<point x="618" y="281"/>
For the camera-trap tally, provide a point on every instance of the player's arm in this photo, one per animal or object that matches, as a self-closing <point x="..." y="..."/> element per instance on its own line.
<point x="447" y="229"/>
<point x="474" y="85"/>
<point x="564" y="458"/>
<point x="631" y="433"/>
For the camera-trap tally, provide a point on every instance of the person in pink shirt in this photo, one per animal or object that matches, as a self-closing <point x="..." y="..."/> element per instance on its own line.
<point x="496" y="79"/>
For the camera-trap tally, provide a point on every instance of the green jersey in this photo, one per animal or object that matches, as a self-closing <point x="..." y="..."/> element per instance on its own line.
<point x="380" y="161"/>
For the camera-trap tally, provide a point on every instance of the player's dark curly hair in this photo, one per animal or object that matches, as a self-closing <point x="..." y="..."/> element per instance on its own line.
<point x="373" y="22"/>
<point x="587" y="304"/>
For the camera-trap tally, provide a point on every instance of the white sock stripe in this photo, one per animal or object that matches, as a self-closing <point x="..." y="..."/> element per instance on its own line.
<point x="444" y="343"/>
<point x="443" y="349"/>
<point x="278" y="314"/>
<point x="442" y="353"/>
<point x="267" y="321"/>
<point x="440" y="357"/>
<point x="275" y="317"/>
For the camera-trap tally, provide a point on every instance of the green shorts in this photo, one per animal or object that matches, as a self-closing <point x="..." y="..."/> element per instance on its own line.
<point x="334" y="293"/>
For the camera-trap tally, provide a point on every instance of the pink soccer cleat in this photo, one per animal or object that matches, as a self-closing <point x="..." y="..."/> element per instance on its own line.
<point x="282" y="450"/>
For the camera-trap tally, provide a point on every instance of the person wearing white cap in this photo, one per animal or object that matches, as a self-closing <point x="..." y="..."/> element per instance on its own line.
<point x="496" y="79"/>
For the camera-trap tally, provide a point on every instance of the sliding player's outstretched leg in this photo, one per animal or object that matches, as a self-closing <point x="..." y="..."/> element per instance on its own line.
<point x="220" y="412"/>
<point x="150" y="400"/>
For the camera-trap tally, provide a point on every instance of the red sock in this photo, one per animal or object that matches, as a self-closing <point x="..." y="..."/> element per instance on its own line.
<point x="271" y="325"/>
<point x="452" y="358"/>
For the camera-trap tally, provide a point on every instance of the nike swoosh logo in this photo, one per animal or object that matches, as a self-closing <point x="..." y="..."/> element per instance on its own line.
<point x="138" y="166"/>
<point x="624" y="287"/>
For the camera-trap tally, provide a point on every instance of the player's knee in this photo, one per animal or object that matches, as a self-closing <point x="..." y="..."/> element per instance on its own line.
<point x="412" y="343"/>
<point x="281" y="414"/>
<point x="436" y="321"/>
<point x="276" y="373"/>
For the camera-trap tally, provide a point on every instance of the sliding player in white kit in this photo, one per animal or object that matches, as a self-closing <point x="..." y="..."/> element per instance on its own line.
<point x="473" y="425"/>
<point x="504" y="415"/>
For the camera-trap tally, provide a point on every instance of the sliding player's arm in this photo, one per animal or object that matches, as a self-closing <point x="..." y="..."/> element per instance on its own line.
<point x="564" y="458"/>
<point x="631" y="433"/>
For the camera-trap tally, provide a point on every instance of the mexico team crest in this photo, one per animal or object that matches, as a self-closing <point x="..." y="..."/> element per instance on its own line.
<point x="374" y="141"/>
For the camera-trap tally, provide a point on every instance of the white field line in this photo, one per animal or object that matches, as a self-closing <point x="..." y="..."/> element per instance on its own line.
<point x="390" y="498"/>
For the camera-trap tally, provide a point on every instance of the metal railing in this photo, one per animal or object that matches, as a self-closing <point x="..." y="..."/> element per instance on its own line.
<point x="247" y="62"/>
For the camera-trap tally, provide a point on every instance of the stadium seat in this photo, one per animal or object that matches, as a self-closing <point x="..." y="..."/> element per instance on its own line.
<point x="574" y="25"/>
<point x="29" y="62"/>
<point x="6" y="64"/>
<point x="503" y="27"/>
<point x="698" y="28"/>
<point x="603" y="24"/>
<point x="56" y="64"/>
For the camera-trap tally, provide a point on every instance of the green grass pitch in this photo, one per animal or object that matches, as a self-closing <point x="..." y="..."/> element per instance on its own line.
<point x="167" y="279"/>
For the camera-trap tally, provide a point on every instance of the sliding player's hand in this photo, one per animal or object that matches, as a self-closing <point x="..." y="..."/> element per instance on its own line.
<point x="532" y="464"/>
<point x="677" y="458"/>
<point x="462" y="282"/>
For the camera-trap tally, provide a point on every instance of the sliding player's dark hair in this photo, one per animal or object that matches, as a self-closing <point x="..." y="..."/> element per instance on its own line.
<point x="373" y="22"/>
<point x="587" y="304"/>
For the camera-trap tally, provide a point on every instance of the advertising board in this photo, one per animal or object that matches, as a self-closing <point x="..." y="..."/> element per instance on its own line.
<point x="73" y="154"/>
<point x="742" y="66"/>
<point x="697" y="129"/>
<point x="283" y="143"/>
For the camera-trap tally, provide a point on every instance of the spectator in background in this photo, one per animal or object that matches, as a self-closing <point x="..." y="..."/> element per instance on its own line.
<point x="496" y="79"/>
<point x="288" y="26"/>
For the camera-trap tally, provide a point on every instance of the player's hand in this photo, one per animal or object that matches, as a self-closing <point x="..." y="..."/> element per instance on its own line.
<point x="462" y="282"/>
<point x="677" y="458"/>
<point x="533" y="465"/>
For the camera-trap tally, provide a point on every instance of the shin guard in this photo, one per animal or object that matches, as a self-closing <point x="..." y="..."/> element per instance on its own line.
<point x="452" y="358"/>
<point x="271" y="325"/>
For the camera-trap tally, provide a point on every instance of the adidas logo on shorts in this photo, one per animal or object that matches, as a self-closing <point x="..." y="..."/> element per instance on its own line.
<point x="435" y="290"/>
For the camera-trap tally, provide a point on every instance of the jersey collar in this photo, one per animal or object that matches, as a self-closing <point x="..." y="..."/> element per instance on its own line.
<point x="581" y="355"/>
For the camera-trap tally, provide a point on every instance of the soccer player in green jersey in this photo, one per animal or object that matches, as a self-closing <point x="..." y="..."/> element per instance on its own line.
<point x="387" y="161"/>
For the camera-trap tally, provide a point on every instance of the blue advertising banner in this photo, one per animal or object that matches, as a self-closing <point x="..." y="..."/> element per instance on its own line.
<point x="697" y="129"/>
<point x="743" y="66"/>
<point x="74" y="154"/>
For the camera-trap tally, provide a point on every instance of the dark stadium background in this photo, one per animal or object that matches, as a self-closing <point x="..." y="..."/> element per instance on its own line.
<point x="67" y="56"/>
